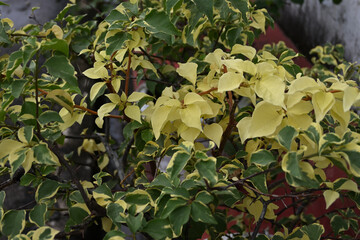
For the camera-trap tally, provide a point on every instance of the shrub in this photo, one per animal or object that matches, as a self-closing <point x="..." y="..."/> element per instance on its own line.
<point x="248" y="135"/>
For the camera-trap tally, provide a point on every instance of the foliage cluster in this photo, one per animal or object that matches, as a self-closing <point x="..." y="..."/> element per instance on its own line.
<point x="248" y="134"/>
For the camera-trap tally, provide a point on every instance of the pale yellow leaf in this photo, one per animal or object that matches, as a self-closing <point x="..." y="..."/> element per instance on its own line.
<point x="214" y="132"/>
<point x="192" y="97"/>
<point x="107" y="225"/>
<point x="265" y="119"/>
<point x="243" y="128"/>
<point x="247" y="51"/>
<point x="189" y="134"/>
<point x="103" y="162"/>
<point x="215" y="59"/>
<point x="337" y="112"/>
<point x="105" y="109"/>
<point x="133" y="112"/>
<point x="73" y="1"/>
<point x="229" y="81"/>
<point x="116" y="83"/>
<point x="304" y="84"/>
<point x="322" y="102"/>
<point x="330" y="197"/>
<point x="190" y="116"/>
<point x="258" y="19"/>
<point x="58" y="32"/>
<point x="137" y="96"/>
<point x="188" y="71"/>
<point x="350" y="96"/>
<point x="349" y="185"/>
<point x="114" y="98"/>
<point x="159" y="118"/>
<point x="98" y="71"/>
<point x="95" y="89"/>
<point x="271" y="88"/>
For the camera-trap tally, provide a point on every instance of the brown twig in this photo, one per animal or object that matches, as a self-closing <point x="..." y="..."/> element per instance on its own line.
<point x="128" y="72"/>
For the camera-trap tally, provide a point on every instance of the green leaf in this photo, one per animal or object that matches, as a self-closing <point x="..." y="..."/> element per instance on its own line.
<point x="262" y="157"/>
<point x="116" y="16"/>
<point x="37" y="214"/>
<point x="114" y="235"/>
<point x="313" y="231"/>
<point x="339" y="224"/>
<point x="49" y="116"/>
<point x="290" y="164"/>
<point x="204" y="197"/>
<point x="138" y="197"/>
<point x="286" y="136"/>
<point x="134" y="223"/>
<point x="61" y="15"/>
<point x="179" y="217"/>
<point x="56" y="44"/>
<point x="207" y="169"/>
<point x="170" y="4"/>
<point x="113" y="211"/>
<point x="17" y="87"/>
<point x="15" y="60"/>
<point x="4" y="38"/>
<point x="13" y="222"/>
<point x="242" y="6"/>
<point x="116" y="42"/>
<point x="201" y="213"/>
<point x="42" y="154"/>
<point x="159" y="229"/>
<point x="159" y="22"/>
<point x="177" y="164"/>
<point x="260" y="180"/>
<point x="206" y="7"/>
<point x="171" y="205"/>
<point x="77" y="214"/>
<point x="59" y="66"/>
<point x="46" y="190"/>
<point x="2" y="3"/>
<point x="147" y="135"/>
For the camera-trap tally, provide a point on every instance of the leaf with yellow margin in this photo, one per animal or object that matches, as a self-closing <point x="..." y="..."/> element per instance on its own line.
<point x="229" y="81"/>
<point x="214" y="132"/>
<point x="330" y="197"/>
<point x="133" y="112"/>
<point x="188" y="71"/>
<point x="61" y="97"/>
<point x="322" y="102"/>
<point x="45" y="232"/>
<point x="8" y="146"/>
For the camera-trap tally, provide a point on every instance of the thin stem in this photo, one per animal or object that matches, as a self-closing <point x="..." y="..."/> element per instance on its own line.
<point x="218" y="37"/>
<point x="150" y="59"/>
<point x="208" y="91"/>
<point x="26" y="35"/>
<point x="261" y="218"/>
<point x="36" y="75"/>
<point x="128" y="72"/>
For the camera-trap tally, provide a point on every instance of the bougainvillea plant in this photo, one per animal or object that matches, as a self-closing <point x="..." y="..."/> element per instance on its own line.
<point x="226" y="141"/>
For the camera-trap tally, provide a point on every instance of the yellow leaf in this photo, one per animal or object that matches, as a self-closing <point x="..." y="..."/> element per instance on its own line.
<point x="215" y="59"/>
<point x="104" y="110"/>
<point x="330" y="197"/>
<point x="95" y="89"/>
<point x="116" y="83"/>
<point x="137" y="96"/>
<point x="272" y="89"/>
<point x="188" y="71"/>
<point x="265" y="119"/>
<point x="254" y="207"/>
<point x="73" y="1"/>
<point x="230" y="81"/>
<point x="189" y="133"/>
<point x="133" y="112"/>
<point x="258" y="19"/>
<point x="349" y="185"/>
<point x="322" y="102"/>
<point x="58" y="32"/>
<point x="243" y="128"/>
<point x="192" y="97"/>
<point x="337" y="112"/>
<point x="98" y="71"/>
<point x="190" y="116"/>
<point x="350" y="96"/>
<point x="8" y="146"/>
<point x="247" y="51"/>
<point x="214" y="132"/>
<point x="159" y="118"/>
<point x="106" y="225"/>
<point x="304" y="84"/>
<point x="113" y="97"/>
